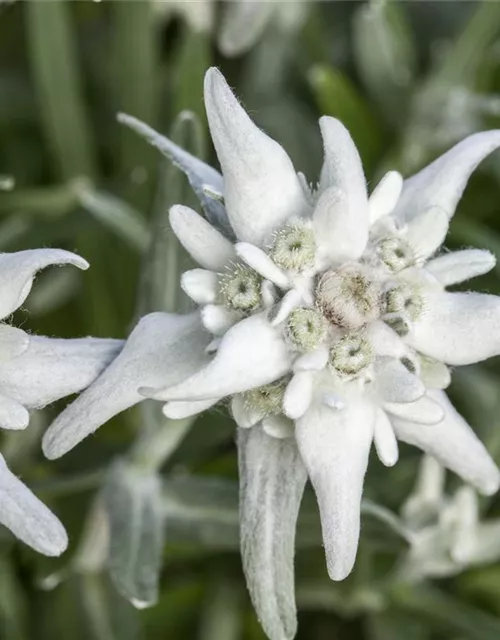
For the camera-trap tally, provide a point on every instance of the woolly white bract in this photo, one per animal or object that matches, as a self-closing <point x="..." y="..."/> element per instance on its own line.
<point x="324" y="316"/>
<point x="35" y="371"/>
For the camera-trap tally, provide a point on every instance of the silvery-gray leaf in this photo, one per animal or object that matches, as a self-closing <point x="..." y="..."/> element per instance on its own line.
<point x="28" y="518"/>
<point x="133" y="502"/>
<point x="199" y="174"/>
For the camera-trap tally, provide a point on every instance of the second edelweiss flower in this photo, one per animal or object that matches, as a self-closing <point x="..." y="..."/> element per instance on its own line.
<point x="324" y="316"/>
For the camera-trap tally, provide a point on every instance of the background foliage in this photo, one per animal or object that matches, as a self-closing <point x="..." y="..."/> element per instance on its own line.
<point x="408" y="79"/>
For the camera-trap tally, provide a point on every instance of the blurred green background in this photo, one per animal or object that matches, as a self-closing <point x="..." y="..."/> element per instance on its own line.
<point x="409" y="79"/>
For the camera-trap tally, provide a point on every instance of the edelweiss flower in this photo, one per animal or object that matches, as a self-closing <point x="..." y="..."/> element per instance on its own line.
<point x="35" y="371"/>
<point x="446" y="533"/>
<point x="324" y="316"/>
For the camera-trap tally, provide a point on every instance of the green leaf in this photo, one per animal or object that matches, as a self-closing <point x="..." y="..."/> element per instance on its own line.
<point x="446" y="613"/>
<point x="385" y="55"/>
<point x="117" y="215"/>
<point x="135" y="56"/>
<point x="132" y="499"/>
<point x="54" y="61"/>
<point x="337" y="96"/>
<point x="13" y="605"/>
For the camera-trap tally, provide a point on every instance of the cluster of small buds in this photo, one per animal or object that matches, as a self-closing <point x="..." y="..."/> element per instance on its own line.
<point x="294" y="247"/>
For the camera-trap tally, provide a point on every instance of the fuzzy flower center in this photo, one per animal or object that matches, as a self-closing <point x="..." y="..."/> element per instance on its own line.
<point x="404" y="301"/>
<point x="351" y="355"/>
<point x="241" y="288"/>
<point x="306" y="328"/>
<point x="396" y="254"/>
<point x="294" y="247"/>
<point x="348" y="297"/>
<point x="268" y="400"/>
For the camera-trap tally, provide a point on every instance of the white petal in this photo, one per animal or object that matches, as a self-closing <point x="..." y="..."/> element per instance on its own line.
<point x="458" y="328"/>
<point x="313" y="361"/>
<point x="298" y="394"/>
<point x="28" y="518"/>
<point x="163" y="349"/>
<point x="217" y="319"/>
<point x="434" y="374"/>
<point x="262" y="189"/>
<point x="385" y="440"/>
<point x="385" y="341"/>
<point x="181" y="410"/>
<point x="442" y="183"/>
<point x="394" y="383"/>
<point x="278" y="426"/>
<point x="272" y="480"/>
<point x="342" y="215"/>
<point x="385" y="195"/>
<point x="262" y="263"/>
<point x="207" y="246"/>
<point x="199" y="174"/>
<point x="13" y="342"/>
<point x="251" y="354"/>
<point x="334" y="446"/>
<point x="201" y="285"/>
<point x="242" y="25"/>
<point x="12" y="414"/>
<point x="424" y="411"/>
<point x="426" y="501"/>
<point x="454" y="444"/>
<point x="17" y="271"/>
<point x="484" y="548"/>
<point x="244" y="416"/>
<point x="291" y="300"/>
<point x="53" y="368"/>
<point x="426" y="232"/>
<point x="339" y="233"/>
<point x="459" y="266"/>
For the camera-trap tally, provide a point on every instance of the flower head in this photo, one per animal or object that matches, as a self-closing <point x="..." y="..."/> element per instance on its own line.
<point x="35" y="371"/>
<point x="344" y="338"/>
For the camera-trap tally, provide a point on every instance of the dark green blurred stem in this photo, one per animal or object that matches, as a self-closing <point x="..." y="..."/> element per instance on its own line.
<point x="54" y="64"/>
<point x="135" y="51"/>
<point x="194" y="57"/>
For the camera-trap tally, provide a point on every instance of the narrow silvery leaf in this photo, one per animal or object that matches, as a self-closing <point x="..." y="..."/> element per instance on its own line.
<point x="454" y="444"/>
<point x="133" y="502"/>
<point x="272" y="480"/>
<point x="17" y="271"/>
<point x="199" y="174"/>
<point x="117" y="215"/>
<point x="442" y="183"/>
<point x="163" y="349"/>
<point x="459" y="266"/>
<point x="52" y="368"/>
<point x="28" y="518"/>
<point x="262" y="189"/>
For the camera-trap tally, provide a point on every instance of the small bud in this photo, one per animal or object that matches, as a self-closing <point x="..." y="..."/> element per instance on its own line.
<point x="348" y="297"/>
<point x="267" y="400"/>
<point x="405" y="301"/>
<point x="396" y="254"/>
<point x="351" y="354"/>
<point x="306" y="329"/>
<point x="294" y="247"/>
<point x="241" y="288"/>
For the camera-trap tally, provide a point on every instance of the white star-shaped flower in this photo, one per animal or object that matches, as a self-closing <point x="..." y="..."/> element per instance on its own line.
<point x="35" y="371"/>
<point x="446" y="532"/>
<point x="324" y="316"/>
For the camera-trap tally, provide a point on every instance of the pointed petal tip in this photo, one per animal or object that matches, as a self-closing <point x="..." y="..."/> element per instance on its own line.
<point x="490" y="486"/>
<point x="340" y="568"/>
